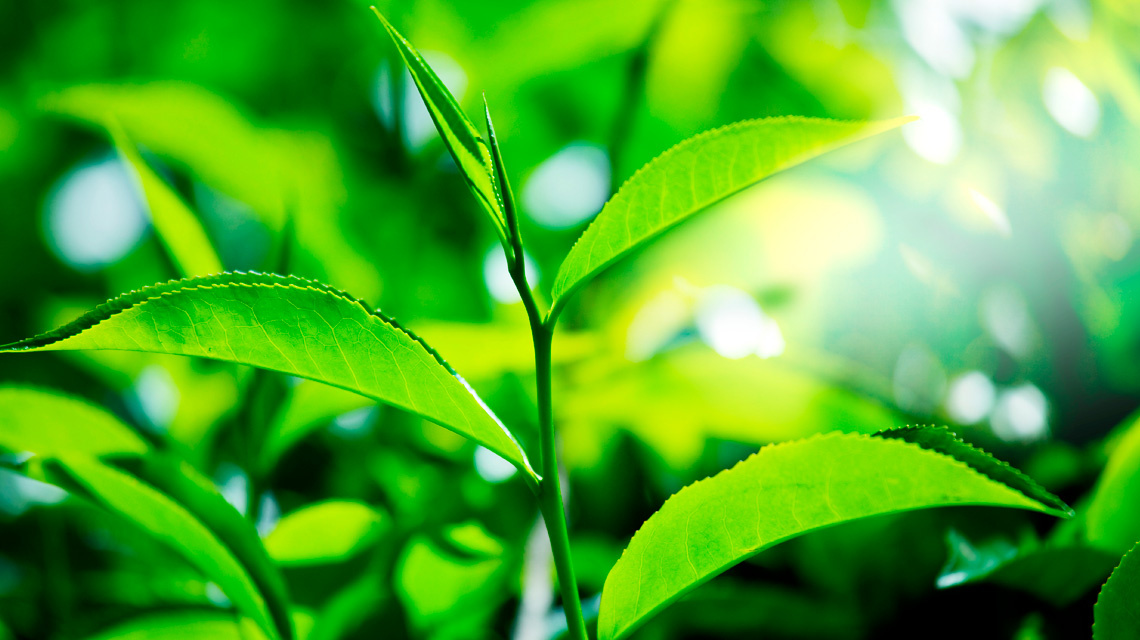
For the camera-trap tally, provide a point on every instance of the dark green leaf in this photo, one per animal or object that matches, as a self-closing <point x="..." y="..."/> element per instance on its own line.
<point x="694" y="175"/>
<point x="782" y="492"/>
<point x="170" y="523"/>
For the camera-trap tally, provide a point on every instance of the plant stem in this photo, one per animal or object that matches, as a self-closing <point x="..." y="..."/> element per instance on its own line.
<point x="542" y="333"/>
<point x="550" y="497"/>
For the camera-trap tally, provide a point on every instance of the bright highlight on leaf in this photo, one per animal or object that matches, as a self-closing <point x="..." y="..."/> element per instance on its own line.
<point x="325" y="532"/>
<point x="693" y="175"/>
<point x="780" y="493"/>
<point x="461" y="137"/>
<point x="1117" y="612"/>
<point x="176" y="225"/>
<point x="294" y="326"/>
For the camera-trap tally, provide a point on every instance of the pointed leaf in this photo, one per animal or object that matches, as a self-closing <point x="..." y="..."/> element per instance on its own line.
<point x="945" y="441"/>
<point x="294" y="326"/>
<point x="175" y="224"/>
<point x="198" y="495"/>
<point x="693" y="175"/>
<point x="48" y="424"/>
<point x="782" y="492"/>
<point x="325" y="532"/>
<point x="461" y="137"/>
<point x="1117" y="612"/>
<point x="168" y="522"/>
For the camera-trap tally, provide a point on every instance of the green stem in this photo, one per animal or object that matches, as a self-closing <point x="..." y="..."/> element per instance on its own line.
<point x="550" y="497"/>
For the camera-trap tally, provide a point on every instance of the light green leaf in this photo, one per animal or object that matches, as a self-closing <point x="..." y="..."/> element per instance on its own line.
<point x="294" y="326"/>
<point x="190" y="625"/>
<point x="945" y="441"/>
<point x="780" y="493"/>
<point x="325" y="532"/>
<point x="1112" y="522"/>
<point x="1116" y="615"/>
<point x="693" y="175"/>
<point x="198" y="495"/>
<point x="175" y="224"/>
<point x="170" y="523"/>
<point x="461" y="137"/>
<point x="48" y="424"/>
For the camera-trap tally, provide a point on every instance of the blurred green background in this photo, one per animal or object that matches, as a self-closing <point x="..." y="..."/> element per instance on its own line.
<point x="977" y="270"/>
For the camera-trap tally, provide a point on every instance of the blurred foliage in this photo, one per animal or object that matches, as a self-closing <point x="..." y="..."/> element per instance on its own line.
<point x="978" y="270"/>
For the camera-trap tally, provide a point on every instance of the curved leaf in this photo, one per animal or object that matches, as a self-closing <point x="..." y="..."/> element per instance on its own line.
<point x="781" y="492"/>
<point x="945" y="441"/>
<point x="168" y="522"/>
<point x="198" y="495"/>
<point x="1112" y="522"/>
<point x="176" y="225"/>
<point x="325" y="532"/>
<point x="693" y="175"/>
<point x="471" y="153"/>
<point x="294" y="326"/>
<point x="1116" y="615"/>
<point x="49" y="424"/>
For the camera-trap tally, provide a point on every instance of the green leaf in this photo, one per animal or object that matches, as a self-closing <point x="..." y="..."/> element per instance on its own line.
<point x="173" y="525"/>
<point x="694" y="175"/>
<point x="190" y="625"/>
<point x="780" y="493"/>
<point x="49" y="424"/>
<point x="308" y="407"/>
<point x="198" y="495"/>
<point x="294" y="326"/>
<point x="175" y="224"/>
<point x="461" y="137"/>
<point x="325" y="532"/>
<point x="1117" y="612"/>
<point x="1112" y="522"/>
<point x="945" y="441"/>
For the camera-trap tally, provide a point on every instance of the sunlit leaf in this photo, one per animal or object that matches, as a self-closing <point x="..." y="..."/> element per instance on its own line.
<point x="694" y="175"/>
<point x="175" y="224"/>
<point x="190" y="625"/>
<point x="1112" y="521"/>
<point x="461" y="137"/>
<point x="325" y="532"/>
<point x="173" y="525"/>
<point x="48" y="424"/>
<point x="1117" y="611"/>
<point x="782" y="492"/>
<point x="294" y="326"/>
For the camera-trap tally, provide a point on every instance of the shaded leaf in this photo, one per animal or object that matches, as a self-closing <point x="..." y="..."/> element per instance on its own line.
<point x="461" y="137"/>
<point x="48" y="424"/>
<point x="325" y="532"/>
<point x="175" y="224"/>
<point x="693" y="175"/>
<point x="198" y="495"/>
<point x="294" y="326"/>
<point x="782" y="492"/>
<point x="1117" y="612"/>
<point x="170" y="523"/>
